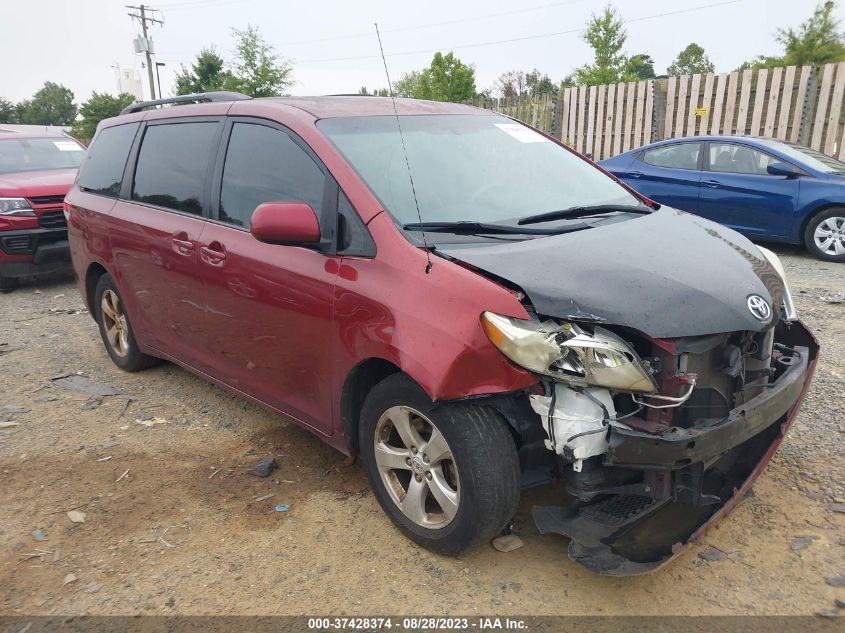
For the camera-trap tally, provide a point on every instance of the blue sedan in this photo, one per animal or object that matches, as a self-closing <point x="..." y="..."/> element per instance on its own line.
<point x="767" y="189"/>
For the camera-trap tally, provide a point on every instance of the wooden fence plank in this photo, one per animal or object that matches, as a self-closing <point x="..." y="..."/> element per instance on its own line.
<point x="785" y="102"/>
<point x="563" y="105"/>
<point x="597" y="146"/>
<point x="835" y="110"/>
<point x="722" y="80"/>
<point x="822" y="106"/>
<point x="617" y="122"/>
<point x="649" y="112"/>
<point x="608" y="120"/>
<point x="629" y="115"/>
<point x="744" y="98"/>
<point x="772" y="108"/>
<point x="759" y="100"/>
<point x="705" y="103"/>
<point x="681" y="108"/>
<point x="638" y="116"/>
<point x="730" y="103"/>
<point x="693" y="104"/>
<point x="573" y="117"/>
<point x="591" y="119"/>
<point x="670" y="107"/>
<point x="803" y="84"/>
<point x="582" y="118"/>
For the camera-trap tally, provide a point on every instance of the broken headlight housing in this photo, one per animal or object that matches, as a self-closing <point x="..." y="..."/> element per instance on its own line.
<point x="789" y="312"/>
<point x="568" y="353"/>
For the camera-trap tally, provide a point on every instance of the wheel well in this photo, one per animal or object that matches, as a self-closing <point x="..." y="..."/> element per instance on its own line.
<point x="810" y="217"/>
<point x="95" y="271"/>
<point x="363" y="377"/>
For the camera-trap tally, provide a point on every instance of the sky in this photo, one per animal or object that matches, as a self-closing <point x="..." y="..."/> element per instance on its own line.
<point x="333" y="47"/>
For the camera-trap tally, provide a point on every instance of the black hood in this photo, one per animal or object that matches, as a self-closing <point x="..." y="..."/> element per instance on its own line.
<point x="666" y="274"/>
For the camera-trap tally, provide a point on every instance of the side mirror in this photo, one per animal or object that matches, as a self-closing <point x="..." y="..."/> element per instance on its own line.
<point x="782" y="169"/>
<point x="292" y="223"/>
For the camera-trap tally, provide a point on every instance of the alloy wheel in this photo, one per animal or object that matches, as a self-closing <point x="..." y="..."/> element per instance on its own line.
<point x="830" y="236"/>
<point x="115" y="323"/>
<point x="417" y="467"/>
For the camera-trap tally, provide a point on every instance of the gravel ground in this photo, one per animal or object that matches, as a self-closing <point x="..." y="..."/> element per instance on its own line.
<point x="173" y="524"/>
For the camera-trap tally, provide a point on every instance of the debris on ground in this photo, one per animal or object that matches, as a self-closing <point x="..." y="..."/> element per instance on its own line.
<point x="262" y="498"/>
<point x="507" y="543"/>
<point x="92" y="403"/>
<point x="152" y="421"/>
<point x="83" y="384"/>
<point x="322" y="569"/>
<point x="69" y="579"/>
<point x="5" y="348"/>
<point x="712" y="554"/>
<point x="175" y="527"/>
<point x="282" y="507"/>
<point x="801" y="542"/>
<point x="39" y="535"/>
<point x="76" y="516"/>
<point x="263" y="468"/>
<point x="836" y="507"/>
<point x="125" y="472"/>
<point x="836" y="581"/>
<point x="9" y="425"/>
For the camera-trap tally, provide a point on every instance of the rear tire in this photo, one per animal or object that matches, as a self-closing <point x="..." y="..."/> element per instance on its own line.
<point x="115" y="328"/>
<point x="457" y="484"/>
<point x="824" y="236"/>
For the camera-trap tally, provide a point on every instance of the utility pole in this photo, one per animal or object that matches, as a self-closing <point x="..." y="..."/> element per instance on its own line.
<point x="143" y="18"/>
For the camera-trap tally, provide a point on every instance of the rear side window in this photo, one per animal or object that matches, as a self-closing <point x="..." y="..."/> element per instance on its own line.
<point x="676" y="156"/>
<point x="264" y="164"/>
<point x="102" y="169"/>
<point x="172" y="165"/>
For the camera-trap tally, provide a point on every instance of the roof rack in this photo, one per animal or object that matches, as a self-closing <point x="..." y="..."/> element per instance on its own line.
<point x="202" y="97"/>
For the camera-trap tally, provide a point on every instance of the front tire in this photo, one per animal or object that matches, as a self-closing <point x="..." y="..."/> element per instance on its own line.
<point x="446" y="474"/>
<point x="115" y="328"/>
<point x="824" y="236"/>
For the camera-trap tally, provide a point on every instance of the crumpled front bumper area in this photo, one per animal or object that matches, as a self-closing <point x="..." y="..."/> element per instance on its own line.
<point x="712" y="464"/>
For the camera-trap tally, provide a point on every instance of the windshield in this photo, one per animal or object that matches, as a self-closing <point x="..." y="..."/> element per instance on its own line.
<point x="478" y="168"/>
<point x="35" y="154"/>
<point x="810" y="157"/>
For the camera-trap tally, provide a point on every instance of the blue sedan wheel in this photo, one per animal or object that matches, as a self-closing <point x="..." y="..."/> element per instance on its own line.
<point x="825" y="235"/>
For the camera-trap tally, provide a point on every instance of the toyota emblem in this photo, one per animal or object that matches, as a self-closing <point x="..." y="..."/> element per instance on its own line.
<point x="759" y="308"/>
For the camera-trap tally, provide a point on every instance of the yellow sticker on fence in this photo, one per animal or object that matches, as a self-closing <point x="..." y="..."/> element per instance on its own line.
<point x="701" y="111"/>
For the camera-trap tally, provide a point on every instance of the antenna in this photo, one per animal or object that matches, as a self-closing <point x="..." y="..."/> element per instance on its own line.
<point x="404" y="150"/>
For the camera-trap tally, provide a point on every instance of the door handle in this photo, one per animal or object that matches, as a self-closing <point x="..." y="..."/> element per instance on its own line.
<point x="214" y="254"/>
<point x="711" y="183"/>
<point x="635" y="174"/>
<point x="181" y="244"/>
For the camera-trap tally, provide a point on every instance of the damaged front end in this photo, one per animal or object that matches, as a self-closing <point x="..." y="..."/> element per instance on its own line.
<point x="655" y="438"/>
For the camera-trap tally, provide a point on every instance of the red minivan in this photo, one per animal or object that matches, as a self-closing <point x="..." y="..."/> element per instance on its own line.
<point x="461" y="301"/>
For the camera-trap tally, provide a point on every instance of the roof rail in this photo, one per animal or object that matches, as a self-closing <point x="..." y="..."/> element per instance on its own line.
<point x="202" y="97"/>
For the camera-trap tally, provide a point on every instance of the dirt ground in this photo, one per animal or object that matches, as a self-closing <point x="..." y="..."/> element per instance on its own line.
<point x="334" y="551"/>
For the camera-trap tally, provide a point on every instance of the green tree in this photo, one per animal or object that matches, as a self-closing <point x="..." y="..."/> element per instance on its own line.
<point x="517" y="83"/>
<point x="206" y="74"/>
<point x="640" y="66"/>
<point x="691" y="61"/>
<point x="816" y="41"/>
<point x="8" y="111"/>
<point x="257" y="70"/>
<point x="606" y="36"/>
<point x="98" y="107"/>
<point x="52" y="105"/>
<point x="446" y="79"/>
<point x="407" y="85"/>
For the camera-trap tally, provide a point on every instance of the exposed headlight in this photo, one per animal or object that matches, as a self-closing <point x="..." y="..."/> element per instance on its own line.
<point x="15" y="206"/>
<point x="789" y="311"/>
<point x="568" y="353"/>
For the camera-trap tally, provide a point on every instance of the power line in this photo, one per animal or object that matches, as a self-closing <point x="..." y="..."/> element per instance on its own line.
<point x="514" y="39"/>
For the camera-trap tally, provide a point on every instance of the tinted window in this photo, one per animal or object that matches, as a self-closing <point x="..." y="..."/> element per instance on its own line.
<point x="263" y="165"/>
<point x="36" y="154"/>
<point x="172" y="165"/>
<point x="102" y="170"/>
<point x="738" y="159"/>
<point x="810" y="157"/>
<point x="676" y="156"/>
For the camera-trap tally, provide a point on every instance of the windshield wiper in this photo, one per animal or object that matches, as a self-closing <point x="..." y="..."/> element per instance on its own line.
<point x="582" y="211"/>
<point x="465" y="227"/>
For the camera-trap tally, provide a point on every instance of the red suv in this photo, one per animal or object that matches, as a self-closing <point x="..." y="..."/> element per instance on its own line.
<point x="461" y="301"/>
<point x="36" y="171"/>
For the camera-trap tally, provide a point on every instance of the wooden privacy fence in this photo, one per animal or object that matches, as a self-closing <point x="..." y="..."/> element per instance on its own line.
<point x="803" y="104"/>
